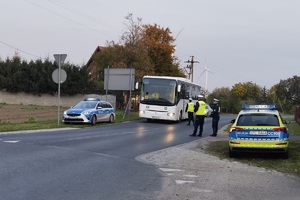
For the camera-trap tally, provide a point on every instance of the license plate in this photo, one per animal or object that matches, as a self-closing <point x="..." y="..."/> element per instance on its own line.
<point x="258" y="133"/>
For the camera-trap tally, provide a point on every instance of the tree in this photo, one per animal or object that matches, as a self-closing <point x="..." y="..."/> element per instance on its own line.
<point x="223" y="94"/>
<point x="159" y="44"/>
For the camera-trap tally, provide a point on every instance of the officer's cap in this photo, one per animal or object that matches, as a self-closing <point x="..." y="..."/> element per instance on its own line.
<point x="216" y="100"/>
<point x="190" y="99"/>
<point x="200" y="96"/>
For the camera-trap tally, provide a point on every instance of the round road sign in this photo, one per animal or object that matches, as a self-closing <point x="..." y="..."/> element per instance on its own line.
<point x="55" y="75"/>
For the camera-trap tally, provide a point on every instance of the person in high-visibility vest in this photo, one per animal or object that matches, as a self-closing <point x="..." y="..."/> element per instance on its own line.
<point x="190" y="110"/>
<point x="200" y="116"/>
<point x="215" y="117"/>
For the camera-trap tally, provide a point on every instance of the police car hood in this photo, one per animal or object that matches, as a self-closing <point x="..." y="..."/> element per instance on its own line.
<point x="77" y="110"/>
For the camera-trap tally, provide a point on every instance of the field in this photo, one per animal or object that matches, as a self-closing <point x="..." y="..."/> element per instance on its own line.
<point x="14" y="113"/>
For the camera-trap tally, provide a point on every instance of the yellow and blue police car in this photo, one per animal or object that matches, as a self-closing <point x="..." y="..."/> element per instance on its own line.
<point x="259" y="128"/>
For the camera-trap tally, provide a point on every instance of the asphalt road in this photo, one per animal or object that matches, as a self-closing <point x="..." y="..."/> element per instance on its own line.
<point x="117" y="161"/>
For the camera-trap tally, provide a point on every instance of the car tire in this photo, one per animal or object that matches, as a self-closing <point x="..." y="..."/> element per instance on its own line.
<point x="285" y="155"/>
<point x="111" y="119"/>
<point x="231" y="154"/>
<point x="94" y="120"/>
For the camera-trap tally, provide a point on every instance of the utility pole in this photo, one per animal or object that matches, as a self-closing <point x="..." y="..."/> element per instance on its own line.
<point x="191" y="67"/>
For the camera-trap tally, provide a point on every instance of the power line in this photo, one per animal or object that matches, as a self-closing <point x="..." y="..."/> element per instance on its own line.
<point x="17" y="49"/>
<point x="58" y="14"/>
<point x="191" y="67"/>
<point x="82" y="14"/>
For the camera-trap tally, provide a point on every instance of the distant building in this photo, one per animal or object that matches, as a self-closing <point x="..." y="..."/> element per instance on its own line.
<point x="91" y="65"/>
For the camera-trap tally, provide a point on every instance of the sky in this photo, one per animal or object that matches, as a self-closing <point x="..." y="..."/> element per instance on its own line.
<point x="232" y="41"/>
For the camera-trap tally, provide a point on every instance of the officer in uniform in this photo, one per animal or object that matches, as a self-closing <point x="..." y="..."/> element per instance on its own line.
<point x="200" y="116"/>
<point x="190" y="110"/>
<point x="215" y="117"/>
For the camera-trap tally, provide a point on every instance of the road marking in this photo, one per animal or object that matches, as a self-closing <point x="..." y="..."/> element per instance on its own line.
<point x="15" y="141"/>
<point x="170" y="170"/>
<point x="201" y="190"/>
<point x="191" y="176"/>
<point x="180" y="182"/>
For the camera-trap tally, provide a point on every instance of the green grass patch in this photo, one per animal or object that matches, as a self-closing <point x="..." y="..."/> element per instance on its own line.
<point x="32" y="107"/>
<point x="33" y="124"/>
<point x="268" y="161"/>
<point x="2" y="104"/>
<point x="294" y="128"/>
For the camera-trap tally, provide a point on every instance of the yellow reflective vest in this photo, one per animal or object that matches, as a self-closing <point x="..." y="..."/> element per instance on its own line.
<point x="190" y="107"/>
<point x="201" y="108"/>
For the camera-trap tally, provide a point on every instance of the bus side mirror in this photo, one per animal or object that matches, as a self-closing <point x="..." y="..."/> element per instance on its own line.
<point x="179" y="88"/>
<point x="137" y="85"/>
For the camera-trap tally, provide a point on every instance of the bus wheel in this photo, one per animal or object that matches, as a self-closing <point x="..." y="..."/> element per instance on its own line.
<point x="180" y="117"/>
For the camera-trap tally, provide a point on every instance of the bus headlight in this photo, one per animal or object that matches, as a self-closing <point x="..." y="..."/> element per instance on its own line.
<point x="171" y="114"/>
<point x="142" y="112"/>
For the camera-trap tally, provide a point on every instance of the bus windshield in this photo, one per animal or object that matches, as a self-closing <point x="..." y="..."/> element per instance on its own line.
<point x="158" y="91"/>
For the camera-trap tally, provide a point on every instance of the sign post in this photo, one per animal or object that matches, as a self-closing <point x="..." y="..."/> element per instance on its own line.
<point x="59" y="76"/>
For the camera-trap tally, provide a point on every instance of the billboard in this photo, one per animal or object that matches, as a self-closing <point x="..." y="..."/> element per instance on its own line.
<point x="119" y="78"/>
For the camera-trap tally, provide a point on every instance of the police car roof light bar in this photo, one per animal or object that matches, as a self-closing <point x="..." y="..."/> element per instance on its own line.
<point x="91" y="99"/>
<point x="259" y="107"/>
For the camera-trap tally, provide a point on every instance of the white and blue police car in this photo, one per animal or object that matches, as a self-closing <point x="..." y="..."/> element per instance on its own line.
<point x="91" y="111"/>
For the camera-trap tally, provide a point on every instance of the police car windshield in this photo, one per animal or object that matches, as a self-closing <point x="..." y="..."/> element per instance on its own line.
<point x="86" y="104"/>
<point x="257" y="120"/>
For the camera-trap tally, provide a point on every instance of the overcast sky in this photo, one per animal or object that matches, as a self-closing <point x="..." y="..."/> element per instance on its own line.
<point x="237" y="40"/>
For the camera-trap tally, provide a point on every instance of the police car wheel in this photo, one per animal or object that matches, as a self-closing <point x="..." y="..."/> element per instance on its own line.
<point x="111" y="119"/>
<point x="94" y="120"/>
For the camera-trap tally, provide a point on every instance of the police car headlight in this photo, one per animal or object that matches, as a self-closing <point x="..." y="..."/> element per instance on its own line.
<point x="171" y="114"/>
<point x="65" y="112"/>
<point x="86" y="112"/>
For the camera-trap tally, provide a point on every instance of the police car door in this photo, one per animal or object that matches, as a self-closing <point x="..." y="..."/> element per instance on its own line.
<point x="100" y="111"/>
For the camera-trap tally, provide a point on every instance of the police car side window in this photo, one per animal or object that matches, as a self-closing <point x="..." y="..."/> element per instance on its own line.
<point x="100" y="105"/>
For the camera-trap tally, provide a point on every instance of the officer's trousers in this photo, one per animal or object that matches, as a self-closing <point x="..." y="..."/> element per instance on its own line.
<point x="199" y="121"/>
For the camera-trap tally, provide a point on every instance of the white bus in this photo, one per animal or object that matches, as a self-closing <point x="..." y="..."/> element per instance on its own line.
<point x="165" y="98"/>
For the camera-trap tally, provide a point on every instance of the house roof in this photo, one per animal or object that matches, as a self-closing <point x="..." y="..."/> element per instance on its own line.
<point x="98" y="49"/>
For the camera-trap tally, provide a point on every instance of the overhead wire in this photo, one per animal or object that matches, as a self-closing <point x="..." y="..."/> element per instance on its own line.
<point x="17" y="49"/>
<point x="82" y="14"/>
<point x="60" y="15"/>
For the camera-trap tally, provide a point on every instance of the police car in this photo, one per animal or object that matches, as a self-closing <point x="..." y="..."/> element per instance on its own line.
<point x="90" y="110"/>
<point x="259" y="128"/>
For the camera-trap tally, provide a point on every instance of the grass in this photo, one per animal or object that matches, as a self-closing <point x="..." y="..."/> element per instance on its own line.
<point x="33" y="124"/>
<point x="32" y="107"/>
<point x="268" y="161"/>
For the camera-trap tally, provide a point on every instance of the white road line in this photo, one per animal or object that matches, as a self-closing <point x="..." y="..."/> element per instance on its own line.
<point x="12" y="141"/>
<point x="170" y="170"/>
<point x="191" y="176"/>
<point x="180" y="182"/>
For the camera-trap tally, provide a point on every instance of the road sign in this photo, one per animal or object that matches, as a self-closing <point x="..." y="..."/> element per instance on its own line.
<point x="60" y="58"/>
<point x="59" y="76"/>
<point x="55" y="75"/>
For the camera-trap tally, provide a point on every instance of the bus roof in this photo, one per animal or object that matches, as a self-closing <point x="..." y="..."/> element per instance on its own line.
<point x="170" y="77"/>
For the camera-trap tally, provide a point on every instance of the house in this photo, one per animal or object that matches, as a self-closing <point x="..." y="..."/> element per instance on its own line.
<point x="91" y="65"/>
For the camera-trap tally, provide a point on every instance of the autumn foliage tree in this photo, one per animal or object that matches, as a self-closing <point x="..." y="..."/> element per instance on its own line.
<point x="159" y="44"/>
<point x="149" y="49"/>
